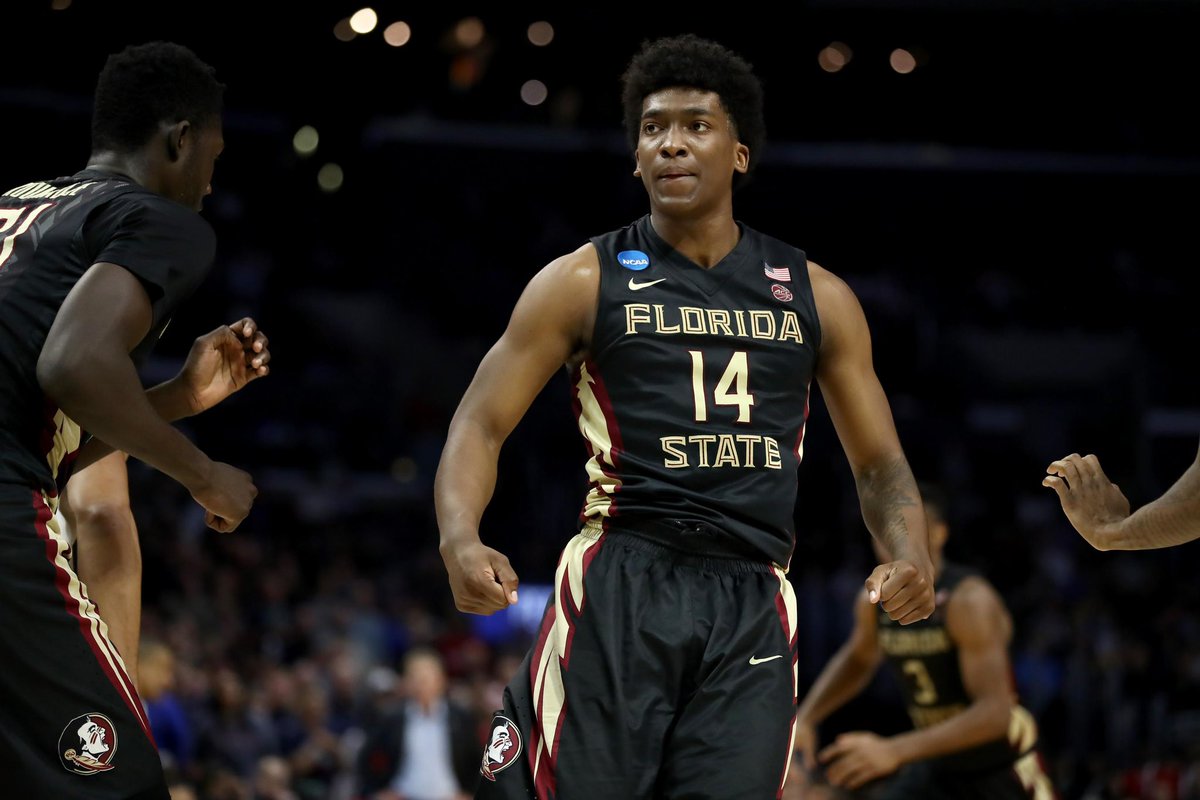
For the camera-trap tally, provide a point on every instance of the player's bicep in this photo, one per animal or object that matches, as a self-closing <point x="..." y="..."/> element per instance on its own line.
<point x="107" y="308"/>
<point x="857" y="404"/>
<point x="978" y="624"/>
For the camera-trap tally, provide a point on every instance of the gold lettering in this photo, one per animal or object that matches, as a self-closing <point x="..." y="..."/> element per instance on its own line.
<point x="703" y="441"/>
<point x="636" y="313"/>
<point x="676" y="458"/>
<point x="693" y="319"/>
<point x="902" y="642"/>
<point x="773" y="459"/>
<point x="726" y="455"/>
<point x="741" y="322"/>
<point x="790" y="328"/>
<point x="924" y="717"/>
<point x="659" y="325"/>
<point x="718" y="322"/>
<point x="757" y="330"/>
<point x="749" y="441"/>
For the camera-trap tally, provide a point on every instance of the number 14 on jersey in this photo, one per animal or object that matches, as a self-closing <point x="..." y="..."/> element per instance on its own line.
<point x="732" y="389"/>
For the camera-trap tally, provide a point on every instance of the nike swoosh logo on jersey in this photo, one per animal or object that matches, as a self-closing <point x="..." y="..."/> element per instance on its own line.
<point x="754" y="660"/>
<point x="635" y="285"/>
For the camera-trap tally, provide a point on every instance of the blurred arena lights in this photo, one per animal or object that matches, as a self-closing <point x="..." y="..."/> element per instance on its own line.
<point x="902" y="61"/>
<point x="306" y="140"/>
<point x="541" y="33"/>
<point x="364" y="20"/>
<point x="343" y="32"/>
<point x="404" y="469"/>
<point x="469" y="32"/>
<point x="330" y="178"/>
<point x="397" y="34"/>
<point x="834" y="57"/>
<point x="465" y="71"/>
<point x="534" y="92"/>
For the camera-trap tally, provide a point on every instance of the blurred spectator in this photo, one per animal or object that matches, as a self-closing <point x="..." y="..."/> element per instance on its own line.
<point x="173" y="729"/>
<point x="429" y="748"/>
<point x="273" y="780"/>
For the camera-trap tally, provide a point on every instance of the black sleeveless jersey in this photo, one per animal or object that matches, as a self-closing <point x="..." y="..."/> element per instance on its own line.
<point x="925" y="661"/>
<point x="694" y="396"/>
<point x="51" y="233"/>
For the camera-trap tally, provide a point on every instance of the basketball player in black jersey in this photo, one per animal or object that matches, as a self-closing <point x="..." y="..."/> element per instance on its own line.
<point x="665" y="663"/>
<point x="1097" y="509"/>
<point x="95" y="505"/>
<point x="92" y="267"/>
<point x="971" y="740"/>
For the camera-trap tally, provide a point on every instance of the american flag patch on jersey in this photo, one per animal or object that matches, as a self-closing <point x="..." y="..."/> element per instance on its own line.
<point x="777" y="273"/>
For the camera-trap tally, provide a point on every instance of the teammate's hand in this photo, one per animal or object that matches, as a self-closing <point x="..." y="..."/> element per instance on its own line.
<point x="1089" y="499"/>
<point x="902" y="591"/>
<point x="226" y="497"/>
<point x="481" y="578"/>
<point x="805" y="745"/>
<point x="223" y="361"/>
<point x="858" y="758"/>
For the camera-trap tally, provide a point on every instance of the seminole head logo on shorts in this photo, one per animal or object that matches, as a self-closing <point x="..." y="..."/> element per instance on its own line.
<point x="87" y="745"/>
<point x="503" y="749"/>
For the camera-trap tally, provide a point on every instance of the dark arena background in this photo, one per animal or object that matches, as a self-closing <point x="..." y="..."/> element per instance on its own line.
<point x="1009" y="187"/>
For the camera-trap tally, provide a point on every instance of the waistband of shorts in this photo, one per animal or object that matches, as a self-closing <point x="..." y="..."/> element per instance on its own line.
<point x="689" y="544"/>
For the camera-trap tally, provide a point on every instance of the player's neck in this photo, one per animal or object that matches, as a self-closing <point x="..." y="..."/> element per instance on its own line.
<point x="131" y="165"/>
<point x="705" y="239"/>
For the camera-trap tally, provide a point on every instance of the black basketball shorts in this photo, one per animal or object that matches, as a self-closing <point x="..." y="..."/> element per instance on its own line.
<point x="657" y="673"/>
<point x="71" y="724"/>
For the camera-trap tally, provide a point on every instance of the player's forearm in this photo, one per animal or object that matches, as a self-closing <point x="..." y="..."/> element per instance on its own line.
<point x="169" y="400"/>
<point x="466" y="479"/>
<point x="846" y="674"/>
<point x="985" y="720"/>
<point x="1172" y="519"/>
<point x="99" y="389"/>
<point x="892" y="511"/>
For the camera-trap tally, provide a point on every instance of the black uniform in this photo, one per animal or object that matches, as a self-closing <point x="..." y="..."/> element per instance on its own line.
<point x="666" y="661"/>
<point x="71" y="723"/>
<point x="926" y="662"/>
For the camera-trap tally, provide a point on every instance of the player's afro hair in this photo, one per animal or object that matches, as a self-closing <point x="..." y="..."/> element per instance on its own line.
<point x="692" y="62"/>
<point x="146" y="85"/>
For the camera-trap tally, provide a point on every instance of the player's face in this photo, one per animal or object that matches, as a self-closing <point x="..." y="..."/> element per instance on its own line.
<point x="688" y="150"/>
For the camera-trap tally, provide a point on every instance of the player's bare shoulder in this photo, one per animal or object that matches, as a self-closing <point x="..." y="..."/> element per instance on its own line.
<point x="975" y="604"/>
<point x="564" y="294"/>
<point x="830" y="293"/>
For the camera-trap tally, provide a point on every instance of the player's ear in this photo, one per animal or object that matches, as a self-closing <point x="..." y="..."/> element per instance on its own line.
<point x="178" y="138"/>
<point x="741" y="158"/>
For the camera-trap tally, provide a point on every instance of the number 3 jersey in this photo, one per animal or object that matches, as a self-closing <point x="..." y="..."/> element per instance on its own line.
<point x="51" y="233"/>
<point x="694" y="396"/>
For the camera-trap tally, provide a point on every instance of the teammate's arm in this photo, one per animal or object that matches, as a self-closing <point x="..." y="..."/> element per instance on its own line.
<point x="887" y="491"/>
<point x="552" y="321"/>
<point x="85" y="368"/>
<point x="980" y="627"/>
<point x="1100" y="512"/>
<point x="220" y="363"/>
<point x="108" y="555"/>
<point x="846" y="674"/>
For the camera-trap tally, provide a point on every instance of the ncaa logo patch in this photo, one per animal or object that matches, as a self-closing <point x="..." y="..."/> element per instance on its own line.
<point x="635" y="260"/>
<point x="503" y="749"/>
<point x="781" y="292"/>
<point x="87" y="745"/>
